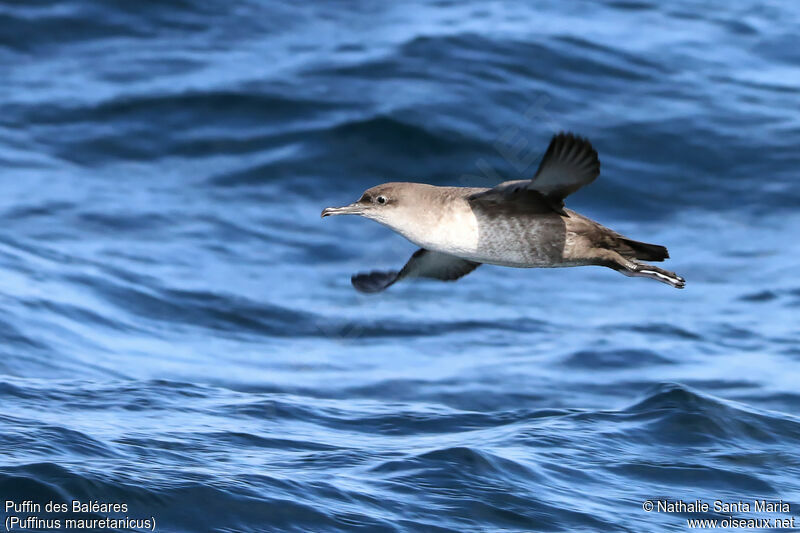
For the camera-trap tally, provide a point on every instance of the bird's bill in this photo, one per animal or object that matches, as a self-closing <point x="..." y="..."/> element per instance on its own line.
<point x="352" y="209"/>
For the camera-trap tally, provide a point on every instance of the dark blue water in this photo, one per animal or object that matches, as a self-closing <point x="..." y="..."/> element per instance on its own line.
<point x="177" y="327"/>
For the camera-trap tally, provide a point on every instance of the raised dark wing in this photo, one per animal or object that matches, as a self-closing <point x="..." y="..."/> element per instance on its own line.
<point x="423" y="264"/>
<point x="569" y="163"/>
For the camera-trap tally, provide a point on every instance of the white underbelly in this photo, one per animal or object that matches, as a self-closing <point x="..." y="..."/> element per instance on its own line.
<point x="523" y="245"/>
<point x="457" y="235"/>
<point x="517" y="242"/>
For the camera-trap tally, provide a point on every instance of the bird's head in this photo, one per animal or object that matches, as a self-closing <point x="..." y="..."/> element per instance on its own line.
<point x="382" y="203"/>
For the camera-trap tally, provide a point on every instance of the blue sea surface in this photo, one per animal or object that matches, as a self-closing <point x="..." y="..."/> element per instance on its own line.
<point x="178" y="331"/>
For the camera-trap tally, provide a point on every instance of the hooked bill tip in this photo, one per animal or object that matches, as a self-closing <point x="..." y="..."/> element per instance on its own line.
<point x="352" y="209"/>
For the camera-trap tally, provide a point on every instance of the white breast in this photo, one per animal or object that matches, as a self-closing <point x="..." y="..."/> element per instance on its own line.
<point x="453" y="231"/>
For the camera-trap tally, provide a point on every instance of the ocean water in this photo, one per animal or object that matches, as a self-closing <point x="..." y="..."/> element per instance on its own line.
<point x="178" y="332"/>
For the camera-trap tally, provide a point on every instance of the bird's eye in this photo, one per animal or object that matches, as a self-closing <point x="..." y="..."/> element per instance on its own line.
<point x="381" y="199"/>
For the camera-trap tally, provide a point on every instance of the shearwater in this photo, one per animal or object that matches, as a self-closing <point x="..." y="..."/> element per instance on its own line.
<point x="521" y="223"/>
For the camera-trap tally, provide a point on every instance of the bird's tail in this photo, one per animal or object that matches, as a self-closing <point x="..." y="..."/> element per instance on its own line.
<point x="645" y="251"/>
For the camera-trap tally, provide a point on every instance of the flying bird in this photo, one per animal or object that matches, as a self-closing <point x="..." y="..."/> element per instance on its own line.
<point x="521" y="223"/>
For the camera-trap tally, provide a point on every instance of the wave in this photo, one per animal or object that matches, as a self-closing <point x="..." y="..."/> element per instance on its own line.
<point x="493" y="470"/>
